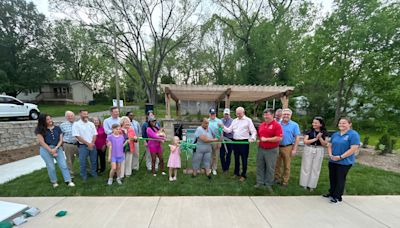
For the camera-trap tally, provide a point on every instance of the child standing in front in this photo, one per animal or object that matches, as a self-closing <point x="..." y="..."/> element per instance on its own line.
<point x="174" y="161"/>
<point x="116" y="142"/>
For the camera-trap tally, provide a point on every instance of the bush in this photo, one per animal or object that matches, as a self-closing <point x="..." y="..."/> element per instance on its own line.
<point x="386" y="144"/>
<point x="365" y="142"/>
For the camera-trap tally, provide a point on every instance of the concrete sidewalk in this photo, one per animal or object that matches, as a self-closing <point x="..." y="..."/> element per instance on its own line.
<point x="12" y="170"/>
<point x="299" y="211"/>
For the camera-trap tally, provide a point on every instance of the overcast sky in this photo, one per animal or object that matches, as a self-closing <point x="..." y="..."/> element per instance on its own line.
<point x="43" y="5"/>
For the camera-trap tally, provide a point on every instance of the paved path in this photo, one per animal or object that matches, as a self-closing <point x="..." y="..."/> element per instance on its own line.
<point x="299" y="211"/>
<point x="100" y="114"/>
<point x="16" y="169"/>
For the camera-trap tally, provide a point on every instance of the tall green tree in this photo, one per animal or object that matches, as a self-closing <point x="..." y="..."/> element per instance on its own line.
<point x="25" y="53"/>
<point x="146" y="32"/>
<point x="78" y="55"/>
<point x="352" y="51"/>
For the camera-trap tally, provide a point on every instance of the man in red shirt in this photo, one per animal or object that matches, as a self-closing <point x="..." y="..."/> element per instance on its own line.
<point x="270" y="134"/>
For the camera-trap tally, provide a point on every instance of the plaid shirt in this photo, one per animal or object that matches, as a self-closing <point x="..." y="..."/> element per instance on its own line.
<point x="66" y="129"/>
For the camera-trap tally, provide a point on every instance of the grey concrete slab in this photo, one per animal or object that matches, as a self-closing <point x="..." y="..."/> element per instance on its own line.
<point x="224" y="211"/>
<point x="207" y="212"/>
<point x="385" y="209"/>
<point x="98" y="212"/>
<point x="311" y="211"/>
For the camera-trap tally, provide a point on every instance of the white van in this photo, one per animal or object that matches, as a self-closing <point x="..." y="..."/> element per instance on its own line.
<point x="12" y="107"/>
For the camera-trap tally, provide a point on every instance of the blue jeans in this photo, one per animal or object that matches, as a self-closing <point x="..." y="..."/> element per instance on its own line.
<point x="84" y="152"/>
<point x="51" y="168"/>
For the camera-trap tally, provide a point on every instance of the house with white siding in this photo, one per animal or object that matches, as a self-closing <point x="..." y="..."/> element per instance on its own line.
<point x="65" y="91"/>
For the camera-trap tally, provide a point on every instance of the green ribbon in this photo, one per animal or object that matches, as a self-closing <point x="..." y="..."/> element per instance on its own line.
<point x="231" y="142"/>
<point x="142" y="139"/>
<point x="187" y="147"/>
<point x="187" y="142"/>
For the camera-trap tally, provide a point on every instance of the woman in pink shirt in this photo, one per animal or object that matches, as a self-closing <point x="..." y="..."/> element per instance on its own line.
<point x="155" y="145"/>
<point x="100" y="145"/>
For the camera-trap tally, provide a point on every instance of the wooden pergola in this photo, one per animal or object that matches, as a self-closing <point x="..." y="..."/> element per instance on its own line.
<point x="228" y="93"/>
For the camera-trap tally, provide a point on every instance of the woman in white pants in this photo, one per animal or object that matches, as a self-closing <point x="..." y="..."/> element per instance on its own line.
<point x="315" y="142"/>
<point x="129" y="134"/>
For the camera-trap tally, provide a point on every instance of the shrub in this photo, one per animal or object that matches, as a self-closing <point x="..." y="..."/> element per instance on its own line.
<point x="386" y="144"/>
<point x="365" y="142"/>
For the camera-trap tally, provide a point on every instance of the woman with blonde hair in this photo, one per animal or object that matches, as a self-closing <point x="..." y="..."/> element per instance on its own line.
<point x="129" y="134"/>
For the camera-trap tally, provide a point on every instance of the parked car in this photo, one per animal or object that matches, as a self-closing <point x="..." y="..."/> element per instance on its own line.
<point x="11" y="107"/>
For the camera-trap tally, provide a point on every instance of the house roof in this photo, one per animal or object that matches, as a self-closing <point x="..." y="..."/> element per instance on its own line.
<point x="253" y="93"/>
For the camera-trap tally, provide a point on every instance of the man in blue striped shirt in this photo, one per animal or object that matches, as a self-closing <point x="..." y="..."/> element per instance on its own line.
<point x="69" y="141"/>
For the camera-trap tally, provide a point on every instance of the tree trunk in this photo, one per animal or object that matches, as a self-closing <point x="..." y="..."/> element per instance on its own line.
<point x="339" y="97"/>
<point x="153" y="95"/>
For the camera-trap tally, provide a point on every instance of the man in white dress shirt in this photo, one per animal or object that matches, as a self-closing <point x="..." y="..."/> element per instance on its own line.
<point x="243" y="131"/>
<point x="85" y="132"/>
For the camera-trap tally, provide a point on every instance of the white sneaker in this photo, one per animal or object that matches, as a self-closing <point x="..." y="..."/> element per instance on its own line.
<point x="71" y="184"/>
<point x="154" y="175"/>
<point x="174" y="178"/>
<point x="55" y="185"/>
<point x="119" y="181"/>
<point x="214" y="172"/>
<point x="110" y="181"/>
<point x="163" y="173"/>
<point x="171" y="179"/>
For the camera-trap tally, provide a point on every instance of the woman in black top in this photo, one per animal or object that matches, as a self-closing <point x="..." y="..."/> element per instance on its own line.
<point x="50" y="140"/>
<point x="311" y="162"/>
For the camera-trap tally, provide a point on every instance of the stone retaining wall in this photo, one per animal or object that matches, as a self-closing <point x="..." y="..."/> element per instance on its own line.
<point x="17" y="134"/>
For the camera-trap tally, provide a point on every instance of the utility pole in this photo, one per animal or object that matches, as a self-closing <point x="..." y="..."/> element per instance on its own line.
<point x="116" y="66"/>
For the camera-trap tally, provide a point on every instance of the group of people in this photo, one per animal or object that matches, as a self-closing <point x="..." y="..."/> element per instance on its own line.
<point x="88" y="141"/>
<point x="277" y="139"/>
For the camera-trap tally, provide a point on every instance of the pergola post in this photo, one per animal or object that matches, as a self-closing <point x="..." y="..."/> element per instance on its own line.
<point x="227" y="101"/>
<point x="167" y="106"/>
<point x="177" y="106"/>
<point x="255" y="109"/>
<point x="285" y="101"/>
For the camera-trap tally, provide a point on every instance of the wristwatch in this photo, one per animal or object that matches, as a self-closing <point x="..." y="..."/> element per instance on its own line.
<point x="340" y="156"/>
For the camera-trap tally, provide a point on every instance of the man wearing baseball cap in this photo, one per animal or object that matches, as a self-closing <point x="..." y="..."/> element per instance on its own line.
<point x="213" y="125"/>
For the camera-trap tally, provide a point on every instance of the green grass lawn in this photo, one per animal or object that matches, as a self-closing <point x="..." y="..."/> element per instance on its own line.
<point x="59" y="110"/>
<point x="362" y="180"/>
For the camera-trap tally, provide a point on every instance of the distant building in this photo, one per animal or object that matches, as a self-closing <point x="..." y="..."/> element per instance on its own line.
<point x="67" y="91"/>
<point x="196" y="107"/>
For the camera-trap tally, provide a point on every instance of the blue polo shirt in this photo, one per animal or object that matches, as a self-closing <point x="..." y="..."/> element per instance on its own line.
<point x="342" y="143"/>
<point x="290" y="131"/>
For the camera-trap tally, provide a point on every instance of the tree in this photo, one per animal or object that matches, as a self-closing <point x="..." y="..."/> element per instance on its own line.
<point x="245" y="16"/>
<point x="352" y="52"/>
<point x="25" y="55"/>
<point x="77" y="54"/>
<point x="146" y="32"/>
